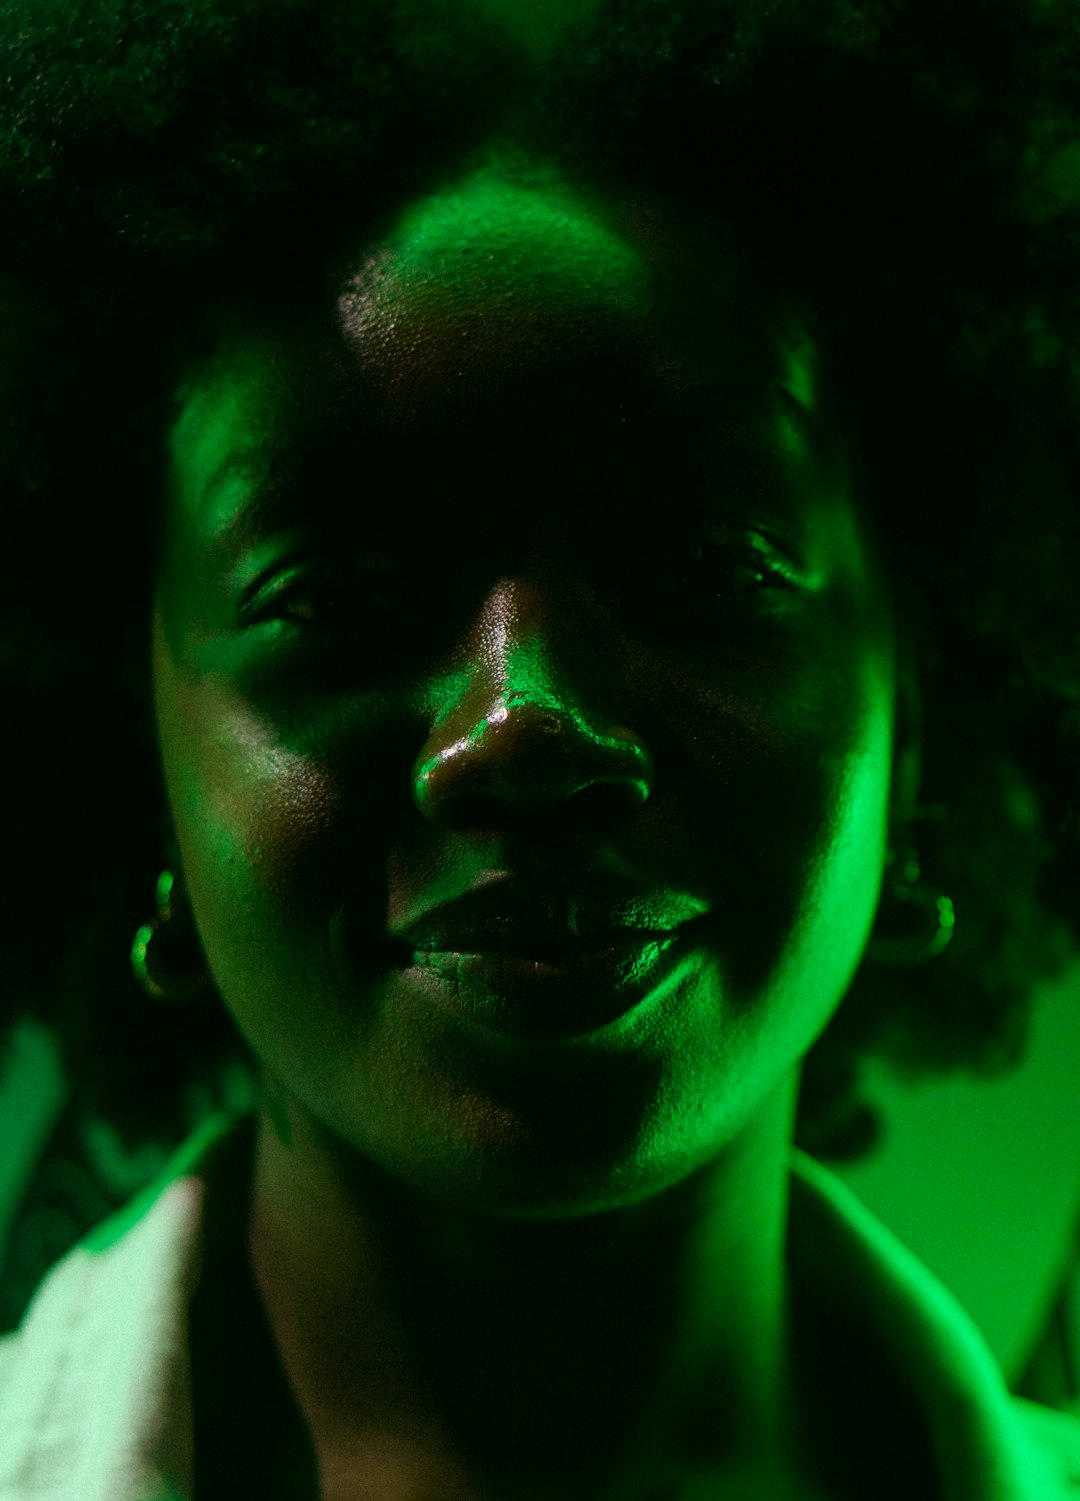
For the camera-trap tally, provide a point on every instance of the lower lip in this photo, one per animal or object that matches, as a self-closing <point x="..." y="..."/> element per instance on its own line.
<point x="566" y="997"/>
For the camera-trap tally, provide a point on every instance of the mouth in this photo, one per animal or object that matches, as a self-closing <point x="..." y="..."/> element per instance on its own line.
<point x="532" y="959"/>
<point x="563" y="988"/>
<point x="538" y="945"/>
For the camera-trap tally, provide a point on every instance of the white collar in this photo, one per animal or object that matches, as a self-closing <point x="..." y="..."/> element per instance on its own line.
<point x="95" y="1390"/>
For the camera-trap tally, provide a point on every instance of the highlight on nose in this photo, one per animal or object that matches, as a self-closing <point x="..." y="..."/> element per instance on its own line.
<point x="530" y="757"/>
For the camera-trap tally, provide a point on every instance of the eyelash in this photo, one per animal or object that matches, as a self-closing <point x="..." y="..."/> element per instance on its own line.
<point x="703" y="584"/>
<point x="310" y="577"/>
<point x="727" y="549"/>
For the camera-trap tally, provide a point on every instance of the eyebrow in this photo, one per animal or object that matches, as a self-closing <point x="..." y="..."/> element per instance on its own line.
<point x="268" y="496"/>
<point x="258" y="491"/>
<point x="262" y="502"/>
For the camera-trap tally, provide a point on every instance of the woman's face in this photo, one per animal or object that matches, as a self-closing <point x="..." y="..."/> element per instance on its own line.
<point x="533" y="576"/>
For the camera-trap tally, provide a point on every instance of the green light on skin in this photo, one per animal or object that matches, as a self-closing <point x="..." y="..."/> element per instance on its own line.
<point x="559" y="715"/>
<point x="520" y="680"/>
<point x="550" y="243"/>
<point x="507" y="239"/>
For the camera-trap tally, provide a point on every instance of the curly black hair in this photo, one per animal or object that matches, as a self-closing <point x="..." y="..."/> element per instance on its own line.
<point x="907" y="171"/>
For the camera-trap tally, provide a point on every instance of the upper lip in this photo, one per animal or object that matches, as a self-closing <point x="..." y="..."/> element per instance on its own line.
<point x="509" y="915"/>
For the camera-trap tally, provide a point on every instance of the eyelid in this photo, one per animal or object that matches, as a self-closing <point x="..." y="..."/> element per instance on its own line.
<point x="310" y="558"/>
<point x="783" y="560"/>
<point x="274" y="589"/>
<point x="756" y="540"/>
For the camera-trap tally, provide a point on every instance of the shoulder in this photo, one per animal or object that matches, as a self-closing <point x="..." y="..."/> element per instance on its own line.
<point x="92" y="1379"/>
<point x="1056" y="1435"/>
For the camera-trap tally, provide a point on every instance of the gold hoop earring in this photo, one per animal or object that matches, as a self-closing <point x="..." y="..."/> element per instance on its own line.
<point x="166" y="957"/>
<point x="923" y="906"/>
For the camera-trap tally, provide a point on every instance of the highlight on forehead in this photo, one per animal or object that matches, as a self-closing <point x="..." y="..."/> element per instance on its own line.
<point x="504" y="277"/>
<point x="506" y="238"/>
<point x="514" y="255"/>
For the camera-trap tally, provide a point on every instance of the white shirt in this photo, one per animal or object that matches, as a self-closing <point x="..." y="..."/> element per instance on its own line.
<point x="95" y="1389"/>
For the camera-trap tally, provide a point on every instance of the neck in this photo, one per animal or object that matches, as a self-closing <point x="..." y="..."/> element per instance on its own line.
<point x="606" y="1356"/>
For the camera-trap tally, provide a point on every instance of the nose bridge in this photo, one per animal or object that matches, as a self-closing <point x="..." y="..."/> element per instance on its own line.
<point x="511" y="734"/>
<point x="514" y="654"/>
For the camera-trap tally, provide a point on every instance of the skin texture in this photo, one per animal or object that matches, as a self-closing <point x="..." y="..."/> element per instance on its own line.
<point x="504" y="1268"/>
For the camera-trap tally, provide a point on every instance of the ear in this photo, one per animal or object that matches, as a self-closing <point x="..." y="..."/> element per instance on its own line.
<point x="907" y="733"/>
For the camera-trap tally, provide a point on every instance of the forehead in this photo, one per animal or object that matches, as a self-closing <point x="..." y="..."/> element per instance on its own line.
<point x="507" y="334"/>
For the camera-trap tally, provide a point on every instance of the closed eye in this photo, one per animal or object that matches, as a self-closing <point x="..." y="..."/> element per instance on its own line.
<point x="731" y="566"/>
<point x="352" y="591"/>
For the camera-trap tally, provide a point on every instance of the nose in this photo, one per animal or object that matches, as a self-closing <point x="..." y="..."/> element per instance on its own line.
<point x="513" y="747"/>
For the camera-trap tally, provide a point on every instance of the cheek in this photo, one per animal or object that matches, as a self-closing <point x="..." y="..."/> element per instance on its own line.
<point x="840" y="870"/>
<point x="825" y="909"/>
<point x="788" y="825"/>
<point x="258" y="828"/>
<point x="784" y="816"/>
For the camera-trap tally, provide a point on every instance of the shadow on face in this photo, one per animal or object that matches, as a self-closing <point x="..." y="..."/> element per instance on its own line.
<point x="538" y="557"/>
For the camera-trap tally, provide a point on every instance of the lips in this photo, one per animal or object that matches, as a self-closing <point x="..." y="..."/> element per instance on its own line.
<point x="507" y="916"/>
<point x="540" y="965"/>
<point x="526" y="940"/>
<point x="532" y="1000"/>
